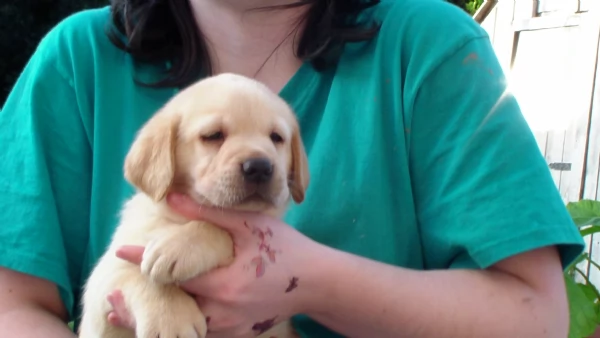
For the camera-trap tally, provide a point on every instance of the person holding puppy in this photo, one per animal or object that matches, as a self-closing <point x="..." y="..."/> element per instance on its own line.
<point x="430" y="212"/>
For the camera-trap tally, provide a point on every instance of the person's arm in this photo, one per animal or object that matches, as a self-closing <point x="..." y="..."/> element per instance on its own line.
<point x="494" y="231"/>
<point x="31" y="307"/>
<point x="522" y="296"/>
<point x="44" y="194"/>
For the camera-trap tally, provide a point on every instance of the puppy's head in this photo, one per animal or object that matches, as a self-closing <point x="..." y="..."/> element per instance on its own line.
<point x="226" y="141"/>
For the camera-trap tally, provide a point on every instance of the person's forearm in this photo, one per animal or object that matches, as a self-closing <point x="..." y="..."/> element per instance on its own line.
<point x="32" y="322"/>
<point x="369" y="299"/>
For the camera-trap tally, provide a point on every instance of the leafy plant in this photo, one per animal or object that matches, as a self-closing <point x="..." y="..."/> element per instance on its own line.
<point x="470" y="6"/>
<point x="584" y="297"/>
<point x="473" y="5"/>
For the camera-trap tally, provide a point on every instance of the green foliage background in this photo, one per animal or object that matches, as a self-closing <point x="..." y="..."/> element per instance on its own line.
<point x="24" y="22"/>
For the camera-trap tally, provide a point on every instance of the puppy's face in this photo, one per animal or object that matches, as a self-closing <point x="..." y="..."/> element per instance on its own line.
<point x="226" y="141"/>
<point x="236" y="149"/>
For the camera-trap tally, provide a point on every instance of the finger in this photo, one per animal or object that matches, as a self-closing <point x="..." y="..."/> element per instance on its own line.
<point x="207" y="284"/>
<point x="224" y="323"/>
<point x="119" y="315"/>
<point x="115" y="299"/>
<point x="184" y="205"/>
<point x="117" y="302"/>
<point x="131" y="253"/>
<point x="228" y="219"/>
<point x="114" y="320"/>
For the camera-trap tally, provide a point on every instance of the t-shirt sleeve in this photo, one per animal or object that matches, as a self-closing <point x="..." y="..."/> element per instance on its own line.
<point x="44" y="175"/>
<point x="483" y="189"/>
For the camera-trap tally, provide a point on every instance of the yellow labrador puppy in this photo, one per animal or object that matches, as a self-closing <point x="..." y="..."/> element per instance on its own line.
<point x="226" y="141"/>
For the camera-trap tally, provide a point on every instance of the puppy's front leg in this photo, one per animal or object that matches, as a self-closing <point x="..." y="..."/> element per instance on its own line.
<point x="164" y="311"/>
<point x="180" y="252"/>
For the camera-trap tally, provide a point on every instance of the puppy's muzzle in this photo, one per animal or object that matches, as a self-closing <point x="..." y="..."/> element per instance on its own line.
<point x="257" y="170"/>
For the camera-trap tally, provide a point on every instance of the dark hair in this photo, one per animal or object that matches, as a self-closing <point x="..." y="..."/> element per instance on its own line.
<point x="160" y="31"/>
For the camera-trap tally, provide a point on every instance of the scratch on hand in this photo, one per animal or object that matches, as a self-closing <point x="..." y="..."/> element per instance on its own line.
<point x="264" y="326"/>
<point x="293" y="284"/>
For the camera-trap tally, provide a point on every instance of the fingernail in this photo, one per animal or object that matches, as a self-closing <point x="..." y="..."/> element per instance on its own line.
<point x="121" y="252"/>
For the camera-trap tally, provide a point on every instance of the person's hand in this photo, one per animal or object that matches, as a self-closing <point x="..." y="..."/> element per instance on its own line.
<point x="269" y="281"/>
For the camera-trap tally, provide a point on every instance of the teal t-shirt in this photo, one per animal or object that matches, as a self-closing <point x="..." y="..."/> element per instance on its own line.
<point x="419" y="157"/>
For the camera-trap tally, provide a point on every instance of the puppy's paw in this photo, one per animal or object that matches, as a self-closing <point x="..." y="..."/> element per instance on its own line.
<point x="180" y="317"/>
<point x="179" y="256"/>
<point x="168" y="260"/>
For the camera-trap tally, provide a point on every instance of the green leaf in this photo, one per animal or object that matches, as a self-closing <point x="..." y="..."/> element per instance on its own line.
<point x="590" y="292"/>
<point x="589" y="230"/>
<point x="583" y="316"/>
<point x="585" y="212"/>
<point x="577" y="260"/>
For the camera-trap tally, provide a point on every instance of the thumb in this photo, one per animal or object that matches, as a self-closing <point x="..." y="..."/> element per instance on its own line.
<point x="227" y="219"/>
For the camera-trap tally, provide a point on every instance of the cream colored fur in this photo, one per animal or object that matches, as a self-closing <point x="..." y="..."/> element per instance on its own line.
<point x="179" y="149"/>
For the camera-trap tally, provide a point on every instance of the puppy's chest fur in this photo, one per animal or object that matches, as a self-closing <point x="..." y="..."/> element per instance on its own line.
<point x="142" y="219"/>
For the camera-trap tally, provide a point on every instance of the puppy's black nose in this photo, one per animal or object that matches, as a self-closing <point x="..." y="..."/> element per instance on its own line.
<point x="257" y="170"/>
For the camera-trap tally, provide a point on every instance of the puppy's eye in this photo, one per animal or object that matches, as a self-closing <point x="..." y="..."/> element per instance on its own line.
<point x="217" y="136"/>
<point x="276" y="138"/>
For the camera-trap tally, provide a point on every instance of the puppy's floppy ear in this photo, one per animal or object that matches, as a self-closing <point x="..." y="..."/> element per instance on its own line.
<point x="299" y="176"/>
<point x="150" y="163"/>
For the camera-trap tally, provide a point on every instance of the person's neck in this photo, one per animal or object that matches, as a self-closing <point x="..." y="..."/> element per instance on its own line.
<point x="248" y="41"/>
